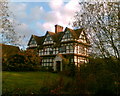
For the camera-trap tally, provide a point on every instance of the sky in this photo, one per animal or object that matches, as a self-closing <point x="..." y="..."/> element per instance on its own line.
<point x="38" y="17"/>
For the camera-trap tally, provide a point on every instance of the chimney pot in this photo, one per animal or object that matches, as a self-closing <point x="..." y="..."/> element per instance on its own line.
<point x="58" y="28"/>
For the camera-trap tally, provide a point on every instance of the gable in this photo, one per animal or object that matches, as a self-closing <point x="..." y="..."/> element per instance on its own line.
<point x="48" y="39"/>
<point x="82" y="37"/>
<point x="32" y="42"/>
<point x="67" y="36"/>
<point x="58" y="57"/>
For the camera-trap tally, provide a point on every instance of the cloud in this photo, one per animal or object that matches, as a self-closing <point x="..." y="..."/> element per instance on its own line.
<point x="38" y="20"/>
<point x="56" y="4"/>
<point x="36" y="13"/>
<point x="61" y="14"/>
<point x="18" y="9"/>
<point x="45" y="27"/>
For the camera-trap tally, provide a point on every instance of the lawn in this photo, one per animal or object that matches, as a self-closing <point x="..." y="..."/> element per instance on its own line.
<point x="31" y="82"/>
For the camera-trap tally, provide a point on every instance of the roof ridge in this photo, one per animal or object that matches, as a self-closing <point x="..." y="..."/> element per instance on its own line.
<point x="50" y="32"/>
<point x="38" y="36"/>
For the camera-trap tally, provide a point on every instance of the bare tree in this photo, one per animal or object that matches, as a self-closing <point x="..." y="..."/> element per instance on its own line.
<point x="7" y="25"/>
<point x="102" y="21"/>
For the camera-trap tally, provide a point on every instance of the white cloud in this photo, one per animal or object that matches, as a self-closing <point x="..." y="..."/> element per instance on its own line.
<point x="45" y="27"/>
<point x="61" y="13"/>
<point x="72" y="6"/>
<point x="56" y="4"/>
<point x="18" y="9"/>
<point x="36" y="13"/>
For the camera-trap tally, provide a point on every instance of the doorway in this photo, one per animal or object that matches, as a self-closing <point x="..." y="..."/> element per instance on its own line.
<point x="58" y="63"/>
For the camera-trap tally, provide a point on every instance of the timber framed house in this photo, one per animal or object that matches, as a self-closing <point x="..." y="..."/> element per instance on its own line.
<point x="55" y="47"/>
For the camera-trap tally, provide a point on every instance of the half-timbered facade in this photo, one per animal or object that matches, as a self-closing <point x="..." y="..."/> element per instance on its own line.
<point x="56" y="46"/>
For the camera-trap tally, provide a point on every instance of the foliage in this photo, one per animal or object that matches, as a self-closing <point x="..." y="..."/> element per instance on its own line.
<point x="68" y="68"/>
<point x="99" y="76"/>
<point x="16" y="63"/>
<point x="24" y="61"/>
<point x="101" y="23"/>
<point x="7" y="51"/>
<point x="65" y="63"/>
<point x="46" y="69"/>
<point x="31" y="56"/>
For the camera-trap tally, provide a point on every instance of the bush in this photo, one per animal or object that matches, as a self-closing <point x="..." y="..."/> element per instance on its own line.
<point x="16" y="63"/>
<point x="99" y="76"/>
<point x="50" y="69"/>
<point x="43" y="68"/>
<point x="70" y="70"/>
<point x="23" y="61"/>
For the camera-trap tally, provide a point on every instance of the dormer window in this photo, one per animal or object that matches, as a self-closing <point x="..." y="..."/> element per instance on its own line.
<point x="33" y="41"/>
<point x="67" y="36"/>
<point x="48" y="39"/>
<point x="82" y="38"/>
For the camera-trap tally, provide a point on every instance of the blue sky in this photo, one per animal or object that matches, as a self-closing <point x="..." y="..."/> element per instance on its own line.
<point x="38" y="17"/>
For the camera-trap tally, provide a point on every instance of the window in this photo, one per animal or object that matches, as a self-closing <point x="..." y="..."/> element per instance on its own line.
<point x="62" y="49"/>
<point x="33" y="41"/>
<point x="69" y="48"/>
<point x="67" y="36"/>
<point x="50" y="51"/>
<point x="48" y="38"/>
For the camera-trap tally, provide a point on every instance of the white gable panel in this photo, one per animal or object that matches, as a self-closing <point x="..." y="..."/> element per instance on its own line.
<point x="48" y="39"/>
<point x="67" y="36"/>
<point x="82" y="38"/>
<point x="33" y="42"/>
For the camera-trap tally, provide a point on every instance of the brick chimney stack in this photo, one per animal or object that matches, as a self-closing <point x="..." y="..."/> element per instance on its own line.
<point x="58" y="28"/>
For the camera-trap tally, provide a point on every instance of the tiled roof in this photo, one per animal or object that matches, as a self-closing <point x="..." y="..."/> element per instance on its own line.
<point x="78" y="32"/>
<point x="75" y="33"/>
<point x="8" y="50"/>
<point x="39" y="40"/>
<point x="58" y="36"/>
<point x="52" y="35"/>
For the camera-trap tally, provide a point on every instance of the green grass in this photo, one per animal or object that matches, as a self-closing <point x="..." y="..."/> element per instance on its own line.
<point x="26" y="82"/>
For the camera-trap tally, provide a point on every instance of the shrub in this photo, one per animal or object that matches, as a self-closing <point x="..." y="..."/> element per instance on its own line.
<point x="15" y="63"/>
<point x="50" y="69"/>
<point x="70" y="70"/>
<point x="24" y="61"/>
<point x="99" y="76"/>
